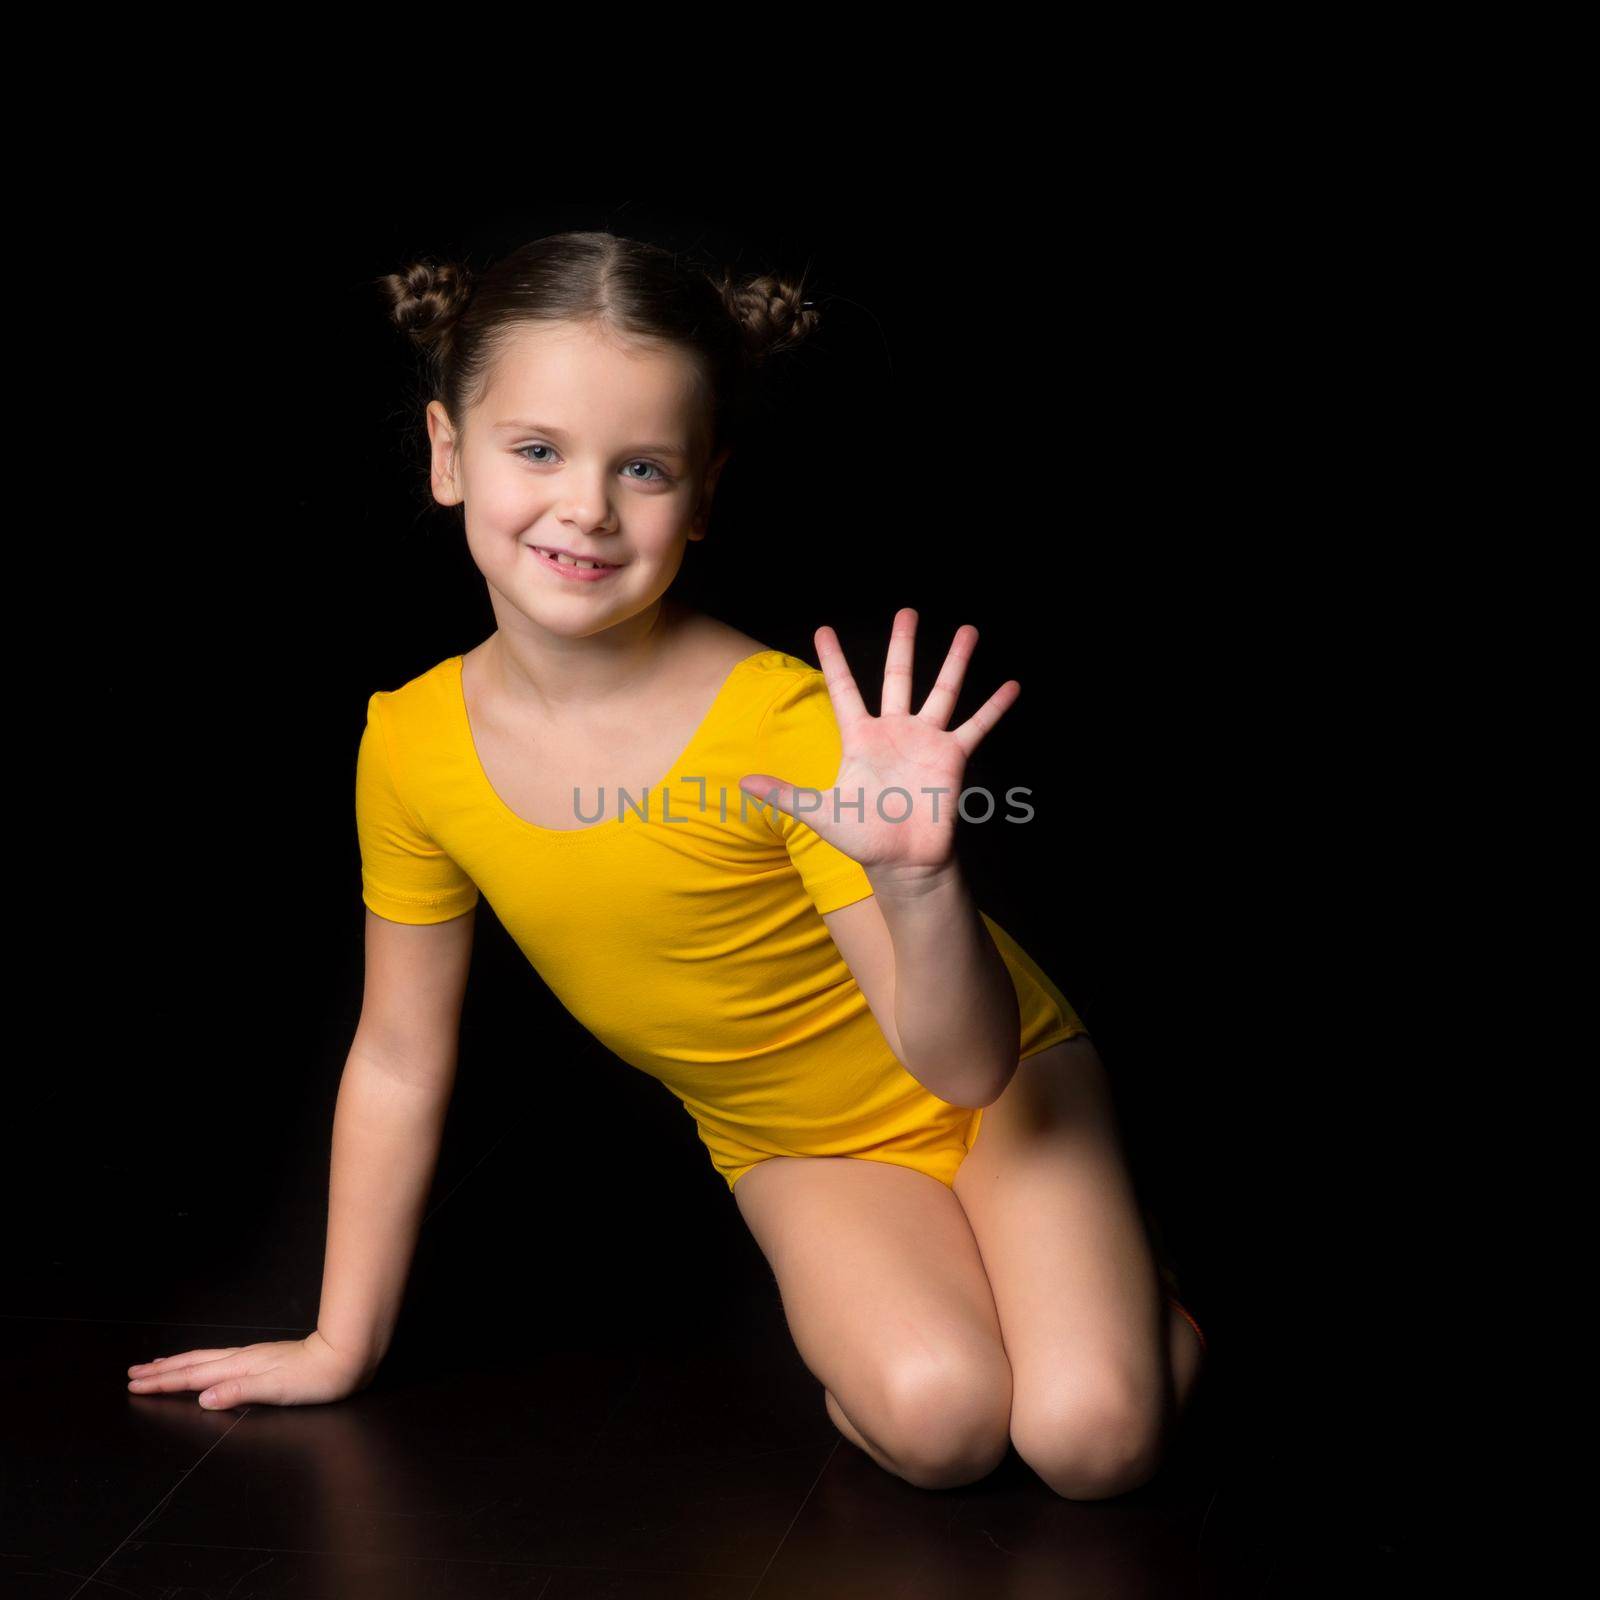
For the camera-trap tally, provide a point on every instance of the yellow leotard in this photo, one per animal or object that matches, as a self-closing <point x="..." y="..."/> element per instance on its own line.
<point x="684" y="930"/>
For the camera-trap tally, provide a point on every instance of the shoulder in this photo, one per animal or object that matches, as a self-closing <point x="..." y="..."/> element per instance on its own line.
<point x="713" y="643"/>
<point x="797" y="717"/>
<point x="787" y="685"/>
<point x="419" y="709"/>
<point x="789" y="677"/>
<point x="767" y="679"/>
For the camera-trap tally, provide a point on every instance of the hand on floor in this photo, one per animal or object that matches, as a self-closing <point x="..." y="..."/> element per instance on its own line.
<point x="291" y="1372"/>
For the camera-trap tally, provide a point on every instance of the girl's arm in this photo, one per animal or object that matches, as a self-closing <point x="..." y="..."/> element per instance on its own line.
<point x="387" y="1128"/>
<point x="936" y="982"/>
<point x="918" y="948"/>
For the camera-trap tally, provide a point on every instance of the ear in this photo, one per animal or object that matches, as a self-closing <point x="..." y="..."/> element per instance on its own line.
<point x="442" y="439"/>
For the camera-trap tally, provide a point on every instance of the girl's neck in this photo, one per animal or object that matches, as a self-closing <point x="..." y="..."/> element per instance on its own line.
<point x="565" y="678"/>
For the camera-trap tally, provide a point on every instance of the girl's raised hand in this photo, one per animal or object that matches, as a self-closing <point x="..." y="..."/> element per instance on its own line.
<point x="895" y="750"/>
<point x="293" y="1372"/>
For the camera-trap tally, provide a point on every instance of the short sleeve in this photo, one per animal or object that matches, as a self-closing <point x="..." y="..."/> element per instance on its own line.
<point x="405" y="876"/>
<point x="798" y="741"/>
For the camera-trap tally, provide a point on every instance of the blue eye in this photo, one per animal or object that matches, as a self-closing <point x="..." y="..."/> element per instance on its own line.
<point x="522" y="450"/>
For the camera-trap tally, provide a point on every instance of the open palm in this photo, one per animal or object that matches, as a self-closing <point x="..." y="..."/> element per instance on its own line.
<point x="893" y="761"/>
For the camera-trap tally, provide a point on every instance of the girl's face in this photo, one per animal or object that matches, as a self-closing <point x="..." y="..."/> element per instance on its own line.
<point x="582" y="444"/>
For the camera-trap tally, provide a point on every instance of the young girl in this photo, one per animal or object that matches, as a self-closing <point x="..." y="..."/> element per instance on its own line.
<point x="743" y="881"/>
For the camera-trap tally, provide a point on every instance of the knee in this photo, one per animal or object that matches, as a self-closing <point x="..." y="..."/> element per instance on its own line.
<point x="1090" y="1439"/>
<point x="947" y="1422"/>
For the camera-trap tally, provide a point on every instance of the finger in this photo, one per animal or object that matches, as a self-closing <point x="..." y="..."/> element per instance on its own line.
<point x="770" y="791"/>
<point x="946" y="690"/>
<point x="897" y="665"/>
<point x="196" y="1375"/>
<point x="847" y="703"/>
<point x="188" y="1355"/>
<point x="970" y="734"/>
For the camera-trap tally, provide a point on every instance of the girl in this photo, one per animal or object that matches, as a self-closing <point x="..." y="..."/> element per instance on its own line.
<point x="912" y="1119"/>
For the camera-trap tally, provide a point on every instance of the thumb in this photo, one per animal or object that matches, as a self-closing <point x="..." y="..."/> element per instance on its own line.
<point x="771" y="791"/>
<point x="247" y="1388"/>
<point x="223" y="1394"/>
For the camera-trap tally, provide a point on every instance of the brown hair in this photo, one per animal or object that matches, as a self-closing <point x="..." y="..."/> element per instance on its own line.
<point x="459" y="318"/>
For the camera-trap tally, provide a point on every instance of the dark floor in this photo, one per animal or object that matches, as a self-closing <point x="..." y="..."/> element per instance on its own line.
<point x="593" y="1399"/>
<point x="695" y="1466"/>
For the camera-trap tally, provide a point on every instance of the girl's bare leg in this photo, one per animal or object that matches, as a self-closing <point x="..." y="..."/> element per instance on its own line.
<point x="1186" y="1361"/>
<point x="884" y="1283"/>
<point x="1101" y="1363"/>
<point x="887" y="1301"/>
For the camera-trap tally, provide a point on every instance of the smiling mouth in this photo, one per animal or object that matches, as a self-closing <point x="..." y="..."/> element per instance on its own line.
<point x="570" y="561"/>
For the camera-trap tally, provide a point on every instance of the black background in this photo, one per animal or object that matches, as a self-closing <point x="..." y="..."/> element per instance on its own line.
<point x="1090" y="447"/>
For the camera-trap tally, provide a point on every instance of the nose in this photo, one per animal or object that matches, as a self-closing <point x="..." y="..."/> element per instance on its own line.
<point x="587" y="507"/>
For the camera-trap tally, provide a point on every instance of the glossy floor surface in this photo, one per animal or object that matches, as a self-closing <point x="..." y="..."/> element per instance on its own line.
<point x="698" y="1466"/>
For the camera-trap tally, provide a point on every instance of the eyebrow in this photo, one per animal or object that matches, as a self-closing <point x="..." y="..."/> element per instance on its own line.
<point x="514" y="426"/>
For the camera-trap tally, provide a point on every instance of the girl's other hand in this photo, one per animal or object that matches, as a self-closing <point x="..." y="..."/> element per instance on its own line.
<point x="291" y="1372"/>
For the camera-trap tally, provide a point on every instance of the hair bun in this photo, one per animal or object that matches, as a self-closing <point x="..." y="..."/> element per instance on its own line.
<point x="770" y="311"/>
<point x="427" y="297"/>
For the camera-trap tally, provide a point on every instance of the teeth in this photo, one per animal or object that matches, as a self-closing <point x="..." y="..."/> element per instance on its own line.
<point x="567" y="561"/>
